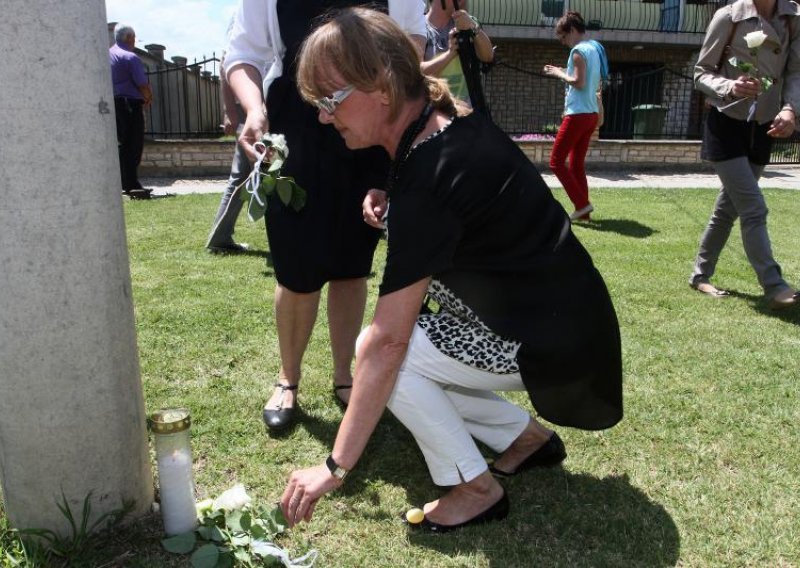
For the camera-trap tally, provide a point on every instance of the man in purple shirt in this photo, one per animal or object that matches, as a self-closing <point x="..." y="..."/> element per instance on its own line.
<point x="131" y="94"/>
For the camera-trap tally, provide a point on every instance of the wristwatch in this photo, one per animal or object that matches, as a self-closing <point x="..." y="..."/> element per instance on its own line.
<point x="336" y="470"/>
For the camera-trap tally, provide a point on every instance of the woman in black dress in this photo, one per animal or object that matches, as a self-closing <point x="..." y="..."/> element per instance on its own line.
<point x="326" y="241"/>
<point x="471" y="224"/>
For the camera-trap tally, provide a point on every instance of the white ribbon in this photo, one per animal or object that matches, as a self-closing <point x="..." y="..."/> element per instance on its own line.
<point x="253" y="181"/>
<point x="264" y="549"/>
<point x="751" y="113"/>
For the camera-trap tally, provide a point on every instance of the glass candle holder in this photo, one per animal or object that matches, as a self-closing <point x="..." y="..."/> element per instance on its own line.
<point x="170" y="429"/>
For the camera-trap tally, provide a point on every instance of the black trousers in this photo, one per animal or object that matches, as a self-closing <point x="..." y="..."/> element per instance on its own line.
<point x="130" y="139"/>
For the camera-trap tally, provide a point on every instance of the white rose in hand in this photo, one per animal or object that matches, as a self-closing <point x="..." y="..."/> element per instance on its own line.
<point x="233" y="499"/>
<point x="755" y="39"/>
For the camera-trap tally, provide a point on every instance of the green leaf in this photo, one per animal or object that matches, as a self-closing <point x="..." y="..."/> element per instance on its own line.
<point x="298" y="197"/>
<point x="246" y="521"/>
<point x="277" y="520"/>
<point x="258" y="531"/>
<point x="206" y="556"/>
<point x="217" y="535"/>
<point x="226" y="558"/>
<point x="216" y="515"/>
<point x="243" y="556"/>
<point x="233" y="520"/>
<point x="204" y="532"/>
<point x="180" y="544"/>
<point x="255" y="210"/>
<point x="766" y="83"/>
<point x="285" y="190"/>
<point x="240" y="539"/>
<point x="244" y="196"/>
<point x="268" y="185"/>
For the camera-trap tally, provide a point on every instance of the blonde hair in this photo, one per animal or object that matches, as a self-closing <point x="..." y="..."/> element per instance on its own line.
<point x="369" y="51"/>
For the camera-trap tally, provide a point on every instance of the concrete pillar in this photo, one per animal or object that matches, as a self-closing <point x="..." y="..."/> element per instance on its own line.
<point x="72" y="414"/>
<point x="156" y="50"/>
<point x="111" y="39"/>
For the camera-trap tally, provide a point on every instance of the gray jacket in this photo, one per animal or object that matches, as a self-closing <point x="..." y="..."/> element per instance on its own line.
<point x="778" y="57"/>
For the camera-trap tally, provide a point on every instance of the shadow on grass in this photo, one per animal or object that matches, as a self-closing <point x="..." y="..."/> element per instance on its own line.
<point x="624" y="227"/>
<point x="759" y="304"/>
<point x="563" y="519"/>
<point x="557" y="518"/>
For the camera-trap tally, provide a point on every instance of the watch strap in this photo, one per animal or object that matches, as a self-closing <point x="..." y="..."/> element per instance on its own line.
<point x="336" y="470"/>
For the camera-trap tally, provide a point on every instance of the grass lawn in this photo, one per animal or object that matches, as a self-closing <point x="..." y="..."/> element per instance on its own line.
<point x="704" y="470"/>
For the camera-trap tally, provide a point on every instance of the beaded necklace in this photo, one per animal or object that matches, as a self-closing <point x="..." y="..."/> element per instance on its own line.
<point x="404" y="148"/>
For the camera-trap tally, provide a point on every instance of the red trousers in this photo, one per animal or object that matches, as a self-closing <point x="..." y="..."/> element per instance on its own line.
<point x="572" y="142"/>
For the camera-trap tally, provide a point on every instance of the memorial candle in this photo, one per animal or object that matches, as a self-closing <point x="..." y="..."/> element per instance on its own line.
<point x="174" y="461"/>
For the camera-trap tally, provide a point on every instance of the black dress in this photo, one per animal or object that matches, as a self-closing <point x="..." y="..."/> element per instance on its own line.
<point x="327" y="239"/>
<point x="518" y="291"/>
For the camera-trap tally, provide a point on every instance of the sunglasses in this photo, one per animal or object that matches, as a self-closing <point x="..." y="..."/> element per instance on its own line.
<point x="329" y="104"/>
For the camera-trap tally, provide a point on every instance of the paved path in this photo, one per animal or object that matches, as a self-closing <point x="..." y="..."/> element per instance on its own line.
<point x="776" y="176"/>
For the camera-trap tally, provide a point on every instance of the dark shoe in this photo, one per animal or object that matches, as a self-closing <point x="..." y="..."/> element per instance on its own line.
<point x="138" y="193"/>
<point x="709" y="289"/>
<point x="551" y="453"/>
<point x="339" y="400"/>
<point x="233" y="248"/>
<point x="496" y="512"/>
<point x="783" y="300"/>
<point x="280" y="418"/>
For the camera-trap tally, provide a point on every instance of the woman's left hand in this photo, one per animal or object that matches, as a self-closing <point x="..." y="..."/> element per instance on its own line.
<point x="783" y="125"/>
<point x="304" y="489"/>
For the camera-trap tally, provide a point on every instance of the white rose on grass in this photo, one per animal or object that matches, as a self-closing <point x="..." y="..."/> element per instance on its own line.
<point x="755" y="39"/>
<point x="233" y="499"/>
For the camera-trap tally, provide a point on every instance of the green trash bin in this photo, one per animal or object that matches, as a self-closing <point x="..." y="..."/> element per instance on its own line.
<point x="648" y="121"/>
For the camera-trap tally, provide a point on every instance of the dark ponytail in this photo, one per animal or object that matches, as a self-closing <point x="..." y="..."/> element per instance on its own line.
<point x="571" y="21"/>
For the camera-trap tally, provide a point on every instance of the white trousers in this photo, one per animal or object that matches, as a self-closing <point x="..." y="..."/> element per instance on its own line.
<point x="445" y="403"/>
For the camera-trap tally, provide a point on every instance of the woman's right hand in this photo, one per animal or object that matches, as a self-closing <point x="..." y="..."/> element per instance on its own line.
<point x="255" y="126"/>
<point x="553" y="71"/>
<point x="374" y="208"/>
<point x="746" y="87"/>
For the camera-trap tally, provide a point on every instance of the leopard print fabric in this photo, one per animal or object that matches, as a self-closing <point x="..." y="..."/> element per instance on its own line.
<point x="457" y="332"/>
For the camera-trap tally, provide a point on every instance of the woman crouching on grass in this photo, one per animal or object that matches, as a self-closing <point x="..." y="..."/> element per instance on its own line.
<point x="471" y="224"/>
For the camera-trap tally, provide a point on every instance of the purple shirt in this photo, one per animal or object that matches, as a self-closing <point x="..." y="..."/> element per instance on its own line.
<point x="127" y="72"/>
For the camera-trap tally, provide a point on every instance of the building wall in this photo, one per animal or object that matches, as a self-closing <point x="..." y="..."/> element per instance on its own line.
<point x="181" y="158"/>
<point x="523" y="100"/>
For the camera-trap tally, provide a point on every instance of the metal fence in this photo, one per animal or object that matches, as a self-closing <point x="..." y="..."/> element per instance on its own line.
<point x="640" y="101"/>
<point x="186" y="100"/>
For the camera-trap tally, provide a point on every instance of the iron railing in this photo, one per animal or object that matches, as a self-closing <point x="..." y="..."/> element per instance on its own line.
<point x="633" y="94"/>
<point x="690" y="16"/>
<point x="640" y="101"/>
<point x="186" y="100"/>
<point x="786" y="151"/>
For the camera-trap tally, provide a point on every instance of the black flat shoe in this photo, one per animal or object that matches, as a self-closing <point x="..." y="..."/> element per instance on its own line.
<point x="280" y="418"/>
<point x="496" y="512"/>
<point x="339" y="400"/>
<point x="551" y="453"/>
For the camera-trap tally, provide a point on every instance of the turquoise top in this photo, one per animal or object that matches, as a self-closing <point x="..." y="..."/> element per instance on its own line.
<point x="578" y="101"/>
